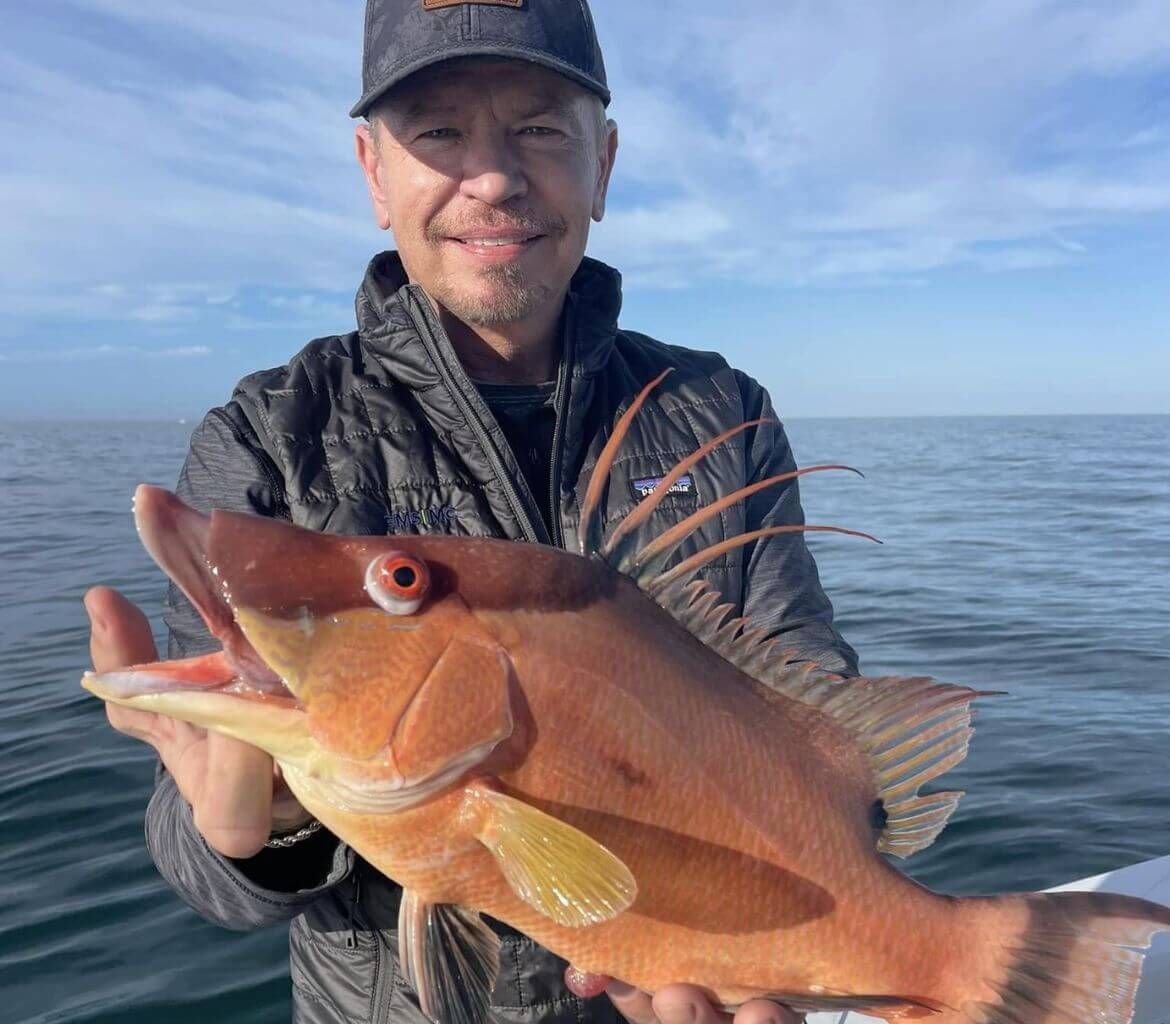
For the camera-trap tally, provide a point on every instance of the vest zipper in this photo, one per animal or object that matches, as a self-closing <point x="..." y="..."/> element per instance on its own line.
<point x="352" y="941"/>
<point x="561" y="411"/>
<point x="533" y="526"/>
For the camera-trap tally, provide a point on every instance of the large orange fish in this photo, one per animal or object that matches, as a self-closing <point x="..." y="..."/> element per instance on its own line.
<point x="592" y="750"/>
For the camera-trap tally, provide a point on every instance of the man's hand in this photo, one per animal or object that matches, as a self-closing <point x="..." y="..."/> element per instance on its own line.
<point x="234" y="789"/>
<point x="686" y="1004"/>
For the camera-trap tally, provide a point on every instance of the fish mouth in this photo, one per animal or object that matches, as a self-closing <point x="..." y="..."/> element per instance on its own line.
<point x="181" y="541"/>
<point x="211" y="692"/>
<point x="206" y="674"/>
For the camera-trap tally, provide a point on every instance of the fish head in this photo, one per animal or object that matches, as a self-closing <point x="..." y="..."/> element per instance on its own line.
<point x="358" y="663"/>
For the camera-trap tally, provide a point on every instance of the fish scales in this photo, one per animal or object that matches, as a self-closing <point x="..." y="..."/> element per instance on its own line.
<point x="639" y="762"/>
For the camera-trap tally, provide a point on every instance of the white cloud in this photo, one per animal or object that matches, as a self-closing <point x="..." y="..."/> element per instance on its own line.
<point x="86" y="352"/>
<point x="842" y="140"/>
<point x="145" y="179"/>
<point x="183" y="352"/>
<point x="162" y="314"/>
<point x="797" y="142"/>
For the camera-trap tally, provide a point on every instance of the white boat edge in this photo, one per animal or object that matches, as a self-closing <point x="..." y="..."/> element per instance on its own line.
<point x="1151" y="881"/>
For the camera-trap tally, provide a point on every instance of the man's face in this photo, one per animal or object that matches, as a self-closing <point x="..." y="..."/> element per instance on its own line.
<point x="489" y="172"/>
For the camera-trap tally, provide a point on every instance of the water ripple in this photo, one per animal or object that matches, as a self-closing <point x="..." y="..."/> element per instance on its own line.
<point x="1030" y="555"/>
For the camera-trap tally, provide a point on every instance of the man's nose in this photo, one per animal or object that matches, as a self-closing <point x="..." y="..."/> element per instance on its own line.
<point x="492" y="170"/>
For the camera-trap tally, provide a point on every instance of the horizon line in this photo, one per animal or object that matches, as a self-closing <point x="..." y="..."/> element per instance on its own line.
<point x="195" y="420"/>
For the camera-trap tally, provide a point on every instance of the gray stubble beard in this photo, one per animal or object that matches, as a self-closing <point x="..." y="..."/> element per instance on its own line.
<point x="513" y="299"/>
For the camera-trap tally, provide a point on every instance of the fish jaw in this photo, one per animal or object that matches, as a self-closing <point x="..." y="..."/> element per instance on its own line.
<point x="209" y="692"/>
<point x="232" y="691"/>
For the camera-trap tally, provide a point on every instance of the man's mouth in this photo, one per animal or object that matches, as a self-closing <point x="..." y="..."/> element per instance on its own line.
<point x="496" y="248"/>
<point x="498" y="241"/>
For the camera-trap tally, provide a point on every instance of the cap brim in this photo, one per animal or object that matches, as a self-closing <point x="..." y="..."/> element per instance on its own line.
<point x="480" y="49"/>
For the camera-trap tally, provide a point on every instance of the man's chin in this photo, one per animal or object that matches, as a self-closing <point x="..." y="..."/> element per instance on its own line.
<point x="496" y="303"/>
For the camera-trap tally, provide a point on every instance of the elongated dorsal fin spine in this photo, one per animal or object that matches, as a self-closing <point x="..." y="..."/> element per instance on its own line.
<point x="647" y="506"/>
<point x="591" y="526"/>
<point x="689" y="566"/>
<point x="648" y="559"/>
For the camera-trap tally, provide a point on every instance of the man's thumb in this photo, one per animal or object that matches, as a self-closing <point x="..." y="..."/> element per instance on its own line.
<point x="119" y="633"/>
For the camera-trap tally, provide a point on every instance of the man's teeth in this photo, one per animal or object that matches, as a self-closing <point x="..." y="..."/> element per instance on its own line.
<point x="495" y="241"/>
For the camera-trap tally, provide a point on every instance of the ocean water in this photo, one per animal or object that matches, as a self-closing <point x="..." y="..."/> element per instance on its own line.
<point x="1030" y="555"/>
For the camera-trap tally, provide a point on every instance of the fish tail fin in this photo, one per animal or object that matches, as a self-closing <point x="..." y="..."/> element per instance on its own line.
<point x="1055" y="958"/>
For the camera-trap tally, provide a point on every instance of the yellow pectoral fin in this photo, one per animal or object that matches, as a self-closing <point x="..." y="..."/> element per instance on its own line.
<point x="551" y="866"/>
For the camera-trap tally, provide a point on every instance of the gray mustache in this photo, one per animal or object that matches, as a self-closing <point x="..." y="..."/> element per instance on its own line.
<point x="527" y="226"/>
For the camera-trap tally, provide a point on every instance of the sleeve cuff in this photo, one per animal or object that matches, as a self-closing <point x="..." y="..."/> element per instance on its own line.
<point x="239" y="894"/>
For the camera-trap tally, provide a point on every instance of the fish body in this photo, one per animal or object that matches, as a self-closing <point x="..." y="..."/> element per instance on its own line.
<point x="667" y="755"/>
<point x="592" y="750"/>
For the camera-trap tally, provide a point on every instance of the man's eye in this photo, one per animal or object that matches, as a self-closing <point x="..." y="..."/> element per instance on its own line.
<point x="537" y="129"/>
<point x="439" y="133"/>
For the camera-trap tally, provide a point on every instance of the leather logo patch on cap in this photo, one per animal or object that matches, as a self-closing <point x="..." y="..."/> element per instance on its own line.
<point x="434" y="5"/>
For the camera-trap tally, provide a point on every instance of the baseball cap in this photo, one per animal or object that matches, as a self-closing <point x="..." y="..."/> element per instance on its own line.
<point x="405" y="36"/>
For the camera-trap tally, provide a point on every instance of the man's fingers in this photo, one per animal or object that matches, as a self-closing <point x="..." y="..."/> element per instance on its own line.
<point x="142" y="725"/>
<point x="120" y="636"/>
<point x="760" y="1011"/>
<point x="233" y="801"/>
<point x="631" y="1003"/>
<point x="227" y="782"/>
<point x="674" y="1004"/>
<point x="119" y="633"/>
<point x="686" y="1004"/>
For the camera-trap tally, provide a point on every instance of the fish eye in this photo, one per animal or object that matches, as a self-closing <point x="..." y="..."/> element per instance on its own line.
<point x="397" y="583"/>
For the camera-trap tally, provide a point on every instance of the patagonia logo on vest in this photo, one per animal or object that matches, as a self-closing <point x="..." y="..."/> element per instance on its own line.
<point x="434" y="5"/>
<point x="427" y="518"/>
<point x="645" y="485"/>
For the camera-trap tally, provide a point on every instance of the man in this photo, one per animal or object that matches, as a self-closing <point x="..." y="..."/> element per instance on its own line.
<point x="485" y="374"/>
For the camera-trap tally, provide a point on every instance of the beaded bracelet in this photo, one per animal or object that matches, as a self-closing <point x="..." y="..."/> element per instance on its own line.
<point x="292" y="838"/>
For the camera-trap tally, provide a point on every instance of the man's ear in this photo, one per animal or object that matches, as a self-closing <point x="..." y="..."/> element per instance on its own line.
<point x="605" y="162"/>
<point x="370" y="161"/>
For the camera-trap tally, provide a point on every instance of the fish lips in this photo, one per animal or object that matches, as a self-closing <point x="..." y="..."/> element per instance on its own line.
<point x="203" y="675"/>
<point x="180" y="540"/>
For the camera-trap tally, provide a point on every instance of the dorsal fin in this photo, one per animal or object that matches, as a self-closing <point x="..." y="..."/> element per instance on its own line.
<point x="912" y="729"/>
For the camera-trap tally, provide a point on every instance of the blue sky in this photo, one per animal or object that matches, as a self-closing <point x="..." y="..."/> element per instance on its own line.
<point x="894" y="207"/>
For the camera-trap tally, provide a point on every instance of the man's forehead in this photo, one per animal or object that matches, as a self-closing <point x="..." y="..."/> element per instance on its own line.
<point x="446" y="87"/>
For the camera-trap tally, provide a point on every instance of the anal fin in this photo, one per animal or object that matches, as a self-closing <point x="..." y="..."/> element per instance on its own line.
<point x="895" y="1008"/>
<point x="552" y="866"/>
<point x="450" y="957"/>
